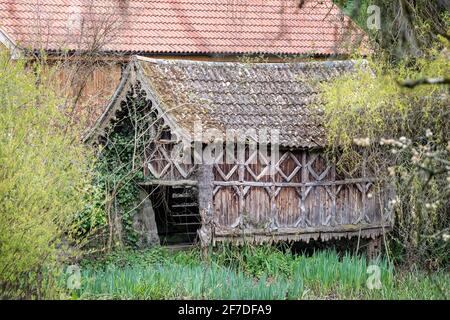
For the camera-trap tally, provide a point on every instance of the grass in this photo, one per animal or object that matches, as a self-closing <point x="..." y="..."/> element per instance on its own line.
<point x="249" y="273"/>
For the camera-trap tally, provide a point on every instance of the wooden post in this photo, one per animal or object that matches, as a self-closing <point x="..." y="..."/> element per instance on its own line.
<point x="205" y="187"/>
<point x="333" y="195"/>
<point x="205" y="204"/>
<point x="363" y="192"/>
<point x="241" y="174"/>
<point x="145" y="223"/>
<point x="304" y="172"/>
<point x="374" y="248"/>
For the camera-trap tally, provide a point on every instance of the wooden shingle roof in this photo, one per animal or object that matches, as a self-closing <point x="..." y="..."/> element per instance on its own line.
<point x="231" y="95"/>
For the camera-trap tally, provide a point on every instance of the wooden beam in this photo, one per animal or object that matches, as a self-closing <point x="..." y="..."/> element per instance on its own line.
<point x="224" y="231"/>
<point x="291" y="184"/>
<point x="170" y="183"/>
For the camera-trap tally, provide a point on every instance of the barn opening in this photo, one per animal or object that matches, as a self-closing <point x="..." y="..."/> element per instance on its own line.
<point x="176" y="213"/>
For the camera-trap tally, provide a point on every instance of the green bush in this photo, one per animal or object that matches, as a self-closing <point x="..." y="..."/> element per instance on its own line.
<point x="115" y="190"/>
<point x="43" y="179"/>
<point x="405" y="136"/>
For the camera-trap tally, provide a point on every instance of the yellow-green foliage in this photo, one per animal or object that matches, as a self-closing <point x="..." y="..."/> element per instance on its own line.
<point x="371" y="104"/>
<point x="405" y="134"/>
<point x="43" y="176"/>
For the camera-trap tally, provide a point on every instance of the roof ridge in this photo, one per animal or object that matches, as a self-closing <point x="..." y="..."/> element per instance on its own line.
<point x="235" y="63"/>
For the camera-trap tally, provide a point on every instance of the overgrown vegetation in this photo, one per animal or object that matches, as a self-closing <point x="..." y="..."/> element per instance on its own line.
<point x="405" y="136"/>
<point x="406" y="27"/>
<point x="44" y="173"/>
<point x="109" y="215"/>
<point x="249" y="273"/>
<point x="115" y="190"/>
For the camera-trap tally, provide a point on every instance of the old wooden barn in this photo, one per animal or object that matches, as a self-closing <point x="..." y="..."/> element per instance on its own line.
<point x="192" y="80"/>
<point x="251" y="196"/>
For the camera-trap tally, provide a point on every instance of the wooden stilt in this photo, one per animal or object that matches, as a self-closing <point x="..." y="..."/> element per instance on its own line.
<point x="374" y="248"/>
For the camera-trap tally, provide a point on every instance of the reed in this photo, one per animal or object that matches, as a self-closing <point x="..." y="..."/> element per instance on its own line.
<point x="250" y="273"/>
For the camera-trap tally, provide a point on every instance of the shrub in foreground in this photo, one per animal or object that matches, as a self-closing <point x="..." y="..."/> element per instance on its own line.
<point x="43" y="178"/>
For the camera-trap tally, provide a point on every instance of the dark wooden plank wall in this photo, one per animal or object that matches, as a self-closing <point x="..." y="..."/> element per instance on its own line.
<point x="304" y="193"/>
<point x="94" y="83"/>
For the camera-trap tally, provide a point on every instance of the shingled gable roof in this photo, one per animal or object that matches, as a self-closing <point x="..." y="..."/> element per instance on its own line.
<point x="179" y="26"/>
<point x="230" y="95"/>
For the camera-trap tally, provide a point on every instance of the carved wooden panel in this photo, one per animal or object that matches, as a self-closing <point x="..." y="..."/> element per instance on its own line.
<point x="300" y="190"/>
<point x="164" y="161"/>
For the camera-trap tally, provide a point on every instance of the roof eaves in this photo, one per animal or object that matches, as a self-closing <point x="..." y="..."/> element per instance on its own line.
<point x="195" y="53"/>
<point x="179" y="131"/>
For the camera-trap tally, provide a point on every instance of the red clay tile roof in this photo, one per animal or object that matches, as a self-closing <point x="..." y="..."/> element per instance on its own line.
<point x="178" y="26"/>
